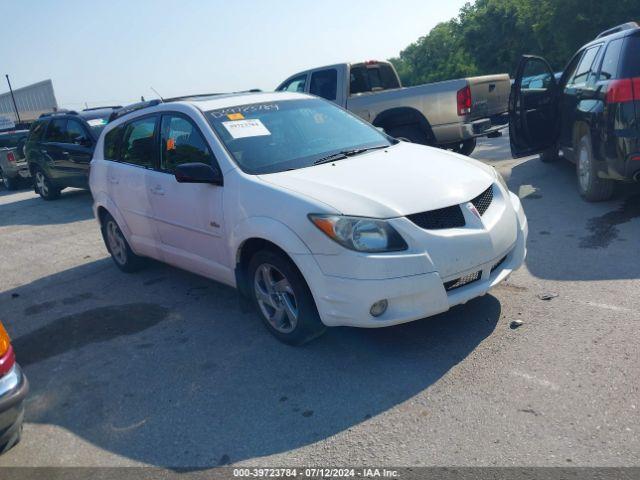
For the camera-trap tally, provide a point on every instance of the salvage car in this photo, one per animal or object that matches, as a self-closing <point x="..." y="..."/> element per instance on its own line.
<point x="450" y="114"/>
<point x="317" y="217"/>
<point x="13" y="165"/>
<point x="590" y="114"/>
<point x="60" y="146"/>
<point x="13" y="390"/>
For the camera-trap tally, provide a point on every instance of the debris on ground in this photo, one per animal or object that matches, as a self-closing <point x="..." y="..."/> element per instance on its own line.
<point x="547" y="296"/>
<point x="515" y="324"/>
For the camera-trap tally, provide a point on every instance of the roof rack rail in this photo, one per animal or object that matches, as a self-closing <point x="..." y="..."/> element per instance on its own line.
<point x="619" y="28"/>
<point x="132" y="108"/>
<point x="91" y="109"/>
<point x="205" y="95"/>
<point x="60" y="111"/>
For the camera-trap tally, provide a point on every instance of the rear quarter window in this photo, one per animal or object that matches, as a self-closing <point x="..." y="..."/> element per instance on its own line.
<point x="631" y="57"/>
<point x="609" y="69"/>
<point x="112" y="142"/>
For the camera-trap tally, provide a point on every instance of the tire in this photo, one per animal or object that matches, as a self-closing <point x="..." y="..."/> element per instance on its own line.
<point x="118" y="247"/>
<point x="466" y="147"/>
<point x="13" y="440"/>
<point x="410" y="133"/>
<point x="8" y="182"/>
<point x="591" y="187"/>
<point x="282" y="298"/>
<point x="549" y="156"/>
<point x="44" y="187"/>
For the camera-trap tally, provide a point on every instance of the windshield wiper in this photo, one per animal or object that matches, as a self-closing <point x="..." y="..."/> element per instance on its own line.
<point x="345" y="154"/>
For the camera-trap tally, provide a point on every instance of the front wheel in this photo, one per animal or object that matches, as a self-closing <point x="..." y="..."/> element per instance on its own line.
<point x="118" y="247"/>
<point x="592" y="188"/>
<point x="44" y="186"/>
<point x="283" y="299"/>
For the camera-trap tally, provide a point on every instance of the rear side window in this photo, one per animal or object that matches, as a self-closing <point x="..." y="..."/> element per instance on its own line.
<point x="585" y="67"/>
<point x="11" y="140"/>
<point x="609" y="69"/>
<point x="138" y="146"/>
<point x="57" y="131"/>
<point x="112" y="142"/>
<point x="324" y="83"/>
<point x="37" y="131"/>
<point x="181" y="143"/>
<point x="372" y="78"/>
<point x="631" y="58"/>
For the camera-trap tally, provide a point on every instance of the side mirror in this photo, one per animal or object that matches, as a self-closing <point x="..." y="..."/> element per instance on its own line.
<point x="198" y="173"/>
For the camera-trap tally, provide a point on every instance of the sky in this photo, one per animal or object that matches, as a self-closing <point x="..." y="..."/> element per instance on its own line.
<point x="114" y="51"/>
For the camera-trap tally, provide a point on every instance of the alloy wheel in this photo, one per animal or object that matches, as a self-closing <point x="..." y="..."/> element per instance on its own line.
<point x="41" y="184"/>
<point x="116" y="241"/>
<point x="276" y="298"/>
<point x="584" y="167"/>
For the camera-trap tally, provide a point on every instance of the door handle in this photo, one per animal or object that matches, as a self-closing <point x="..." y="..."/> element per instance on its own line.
<point x="66" y="154"/>
<point x="157" y="190"/>
<point x="113" y="180"/>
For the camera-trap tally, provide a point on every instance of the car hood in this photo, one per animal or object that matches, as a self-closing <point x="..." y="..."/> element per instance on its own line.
<point x="397" y="181"/>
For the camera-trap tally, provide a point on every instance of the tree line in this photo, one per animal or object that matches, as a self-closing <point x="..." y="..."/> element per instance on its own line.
<point x="489" y="36"/>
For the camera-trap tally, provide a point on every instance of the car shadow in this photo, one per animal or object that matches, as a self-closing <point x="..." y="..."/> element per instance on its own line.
<point x="162" y="367"/>
<point x="72" y="206"/>
<point x="569" y="238"/>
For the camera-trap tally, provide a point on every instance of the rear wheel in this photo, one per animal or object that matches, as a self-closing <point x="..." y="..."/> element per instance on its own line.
<point x="592" y="188"/>
<point x="410" y="133"/>
<point x="465" y="147"/>
<point x="8" y="182"/>
<point x="283" y="299"/>
<point x="44" y="186"/>
<point x="549" y="156"/>
<point x="118" y="247"/>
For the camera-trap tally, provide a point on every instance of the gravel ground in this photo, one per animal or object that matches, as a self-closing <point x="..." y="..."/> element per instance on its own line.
<point x="161" y="367"/>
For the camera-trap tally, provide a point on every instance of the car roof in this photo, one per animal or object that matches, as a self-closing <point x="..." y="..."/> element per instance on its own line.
<point x="607" y="37"/>
<point x="216" y="102"/>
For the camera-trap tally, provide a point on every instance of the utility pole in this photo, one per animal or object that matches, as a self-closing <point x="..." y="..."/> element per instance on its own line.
<point x="13" y="98"/>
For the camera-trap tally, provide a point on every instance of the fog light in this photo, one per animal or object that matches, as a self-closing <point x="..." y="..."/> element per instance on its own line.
<point x="378" y="308"/>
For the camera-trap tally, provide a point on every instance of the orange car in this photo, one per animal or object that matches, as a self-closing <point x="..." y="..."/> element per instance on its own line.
<point x="13" y="389"/>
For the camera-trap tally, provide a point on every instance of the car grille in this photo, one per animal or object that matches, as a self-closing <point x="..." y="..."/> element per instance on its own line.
<point x="483" y="201"/>
<point x="462" y="281"/>
<point x="448" y="217"/>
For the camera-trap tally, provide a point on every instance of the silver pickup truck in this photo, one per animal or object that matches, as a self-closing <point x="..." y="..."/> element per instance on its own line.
<point x="13" y="165"/>
<point x="449" y="114"/>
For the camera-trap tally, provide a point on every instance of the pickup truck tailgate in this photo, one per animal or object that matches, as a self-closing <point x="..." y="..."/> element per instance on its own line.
<point x="489" y="95"/>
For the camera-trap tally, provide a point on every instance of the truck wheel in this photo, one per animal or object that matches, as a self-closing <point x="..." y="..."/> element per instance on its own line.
<point x="465" y="147"/>
<point x="44" y="187"/>
<point x="411" y="133"/>
<point x="8" y="182"/>
<point x="549" y="156"/>
<point x="118" y="247"/>
<point x="591" y="187"/>
<point x="283" y="299"/>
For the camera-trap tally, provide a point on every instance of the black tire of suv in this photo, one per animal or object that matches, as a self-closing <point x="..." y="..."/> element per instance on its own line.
<point x="8" y="182"/>
<point x="49" y="192"/>
<point x="591" y="187"/>
<point x="411" y="133"/>
<point x="128" y="262"/>
<point x="309" y="325"/>
<point x="549" y="156"/>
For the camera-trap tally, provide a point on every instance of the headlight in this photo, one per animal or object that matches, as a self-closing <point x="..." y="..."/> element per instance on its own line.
<point x="359" y="233"/>
<point x="501" y="179"/>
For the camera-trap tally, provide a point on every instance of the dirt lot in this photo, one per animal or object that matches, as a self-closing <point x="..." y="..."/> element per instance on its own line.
<point x="161" y="367"/>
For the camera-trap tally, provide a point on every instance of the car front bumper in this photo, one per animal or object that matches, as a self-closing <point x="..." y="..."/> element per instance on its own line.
<point x="14" y="387"/>
<point x="347" y="301"/>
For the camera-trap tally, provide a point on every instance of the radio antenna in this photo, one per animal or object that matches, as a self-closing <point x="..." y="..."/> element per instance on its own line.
<point x="156" y="92"/>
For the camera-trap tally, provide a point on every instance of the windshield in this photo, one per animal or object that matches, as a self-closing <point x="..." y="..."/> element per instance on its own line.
<point x="276" y="136"/>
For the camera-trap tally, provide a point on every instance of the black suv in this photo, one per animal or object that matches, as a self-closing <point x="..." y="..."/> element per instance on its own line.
<point x="60" y="146"/>
<point x="591" y="114"/>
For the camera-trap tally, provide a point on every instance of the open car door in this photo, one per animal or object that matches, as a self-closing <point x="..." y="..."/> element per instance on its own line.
<point x="533" y="108"/>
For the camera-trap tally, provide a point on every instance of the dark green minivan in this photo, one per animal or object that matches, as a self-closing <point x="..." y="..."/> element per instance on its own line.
<point x="60" y="147"/>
